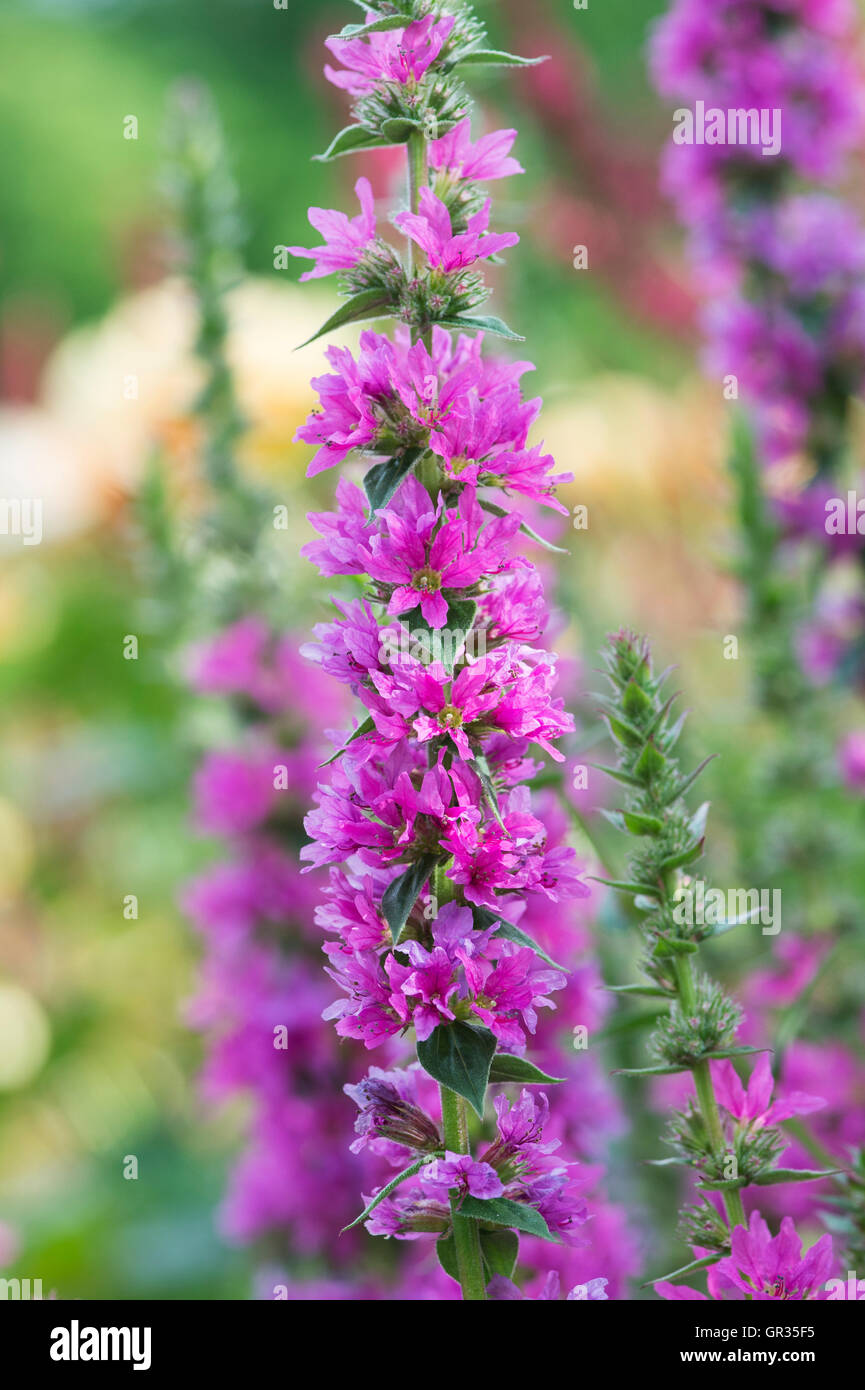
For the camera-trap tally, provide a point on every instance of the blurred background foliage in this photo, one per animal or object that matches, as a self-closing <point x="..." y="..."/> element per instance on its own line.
<point x="95" y="1062"/>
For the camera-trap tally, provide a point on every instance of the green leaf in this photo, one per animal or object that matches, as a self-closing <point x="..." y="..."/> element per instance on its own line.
<point x="729" y="924"/>
<point x="684" y="1271"/>
<point x="501" y="1211"/>
<point x="689" y="781"/>
<point x="684" y="856"/>
<point x="526" y="530"/>
<point x="648" y="888"/>
<point x="778" y="1175"/>
<point x="650" y="764"/>
<point x="369" y="304"/>
<point x="482" y="768"/>
<point x="366" y="727"/>
<point x="635" y="701"/>
<point x="625" y="777"/>
<point x="382" y="480"/>
<point x="398" y="129"/>
<point x="459" y="1056"/>
<point x="500" y="1250"/>
<point x="359" y="31"/>
<point x="401" y="895"/>
<point x="507" y="1068"/>
<point x="447" y="1253"/>
<point x="642" y="825"/>
<point x="350" y="141"/>
<point x="624" y="731"/>
<point x="728" y="1185"/>
<point x="649" y="1071"/>
<point x="495" y="58"/>
<point x="408" y="1172"/>
<point x="483" y="324"/>
<point x="734" y="1052"/>
<point x="461" y="614"/>
<point x="484" y="917"/>
<point x="654" y="991"/>
<point x="674" y="946"/>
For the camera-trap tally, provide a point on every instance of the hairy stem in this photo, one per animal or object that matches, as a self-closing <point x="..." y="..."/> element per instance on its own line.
<point x="467" y="1240"/>
<point x="706" y="1091"/>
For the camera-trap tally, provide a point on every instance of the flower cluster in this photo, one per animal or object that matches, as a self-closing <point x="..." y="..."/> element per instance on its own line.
<point x="435" y="849"/>
<point x="518" y="1165"/>
<point x="777" y="103"/>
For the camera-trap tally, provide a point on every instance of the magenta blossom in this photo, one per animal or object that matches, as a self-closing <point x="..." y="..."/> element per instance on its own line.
<point x="764" y="1267"/>
<point x="431" y="229"/>
<point x="346" y="239"/>
<point x="488" y="158"/>
<point x="421" y="554"/>
<point x="753" y="1107"/>
<point x="397" y="55"/>
<point x="462" y="1172"/>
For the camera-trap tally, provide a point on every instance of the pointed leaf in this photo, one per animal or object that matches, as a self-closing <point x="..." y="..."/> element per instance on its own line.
<point x="447" y="1255"/>
<point x="648" y="888"/>
<point x="620" y="776"/>
<point x="507" y="1068"/>
<point x="684" y="856"/>
<point x="360" y="31"/>
<point x="642" y="825"/>
<point x="779" y="1175"/>
<point x="401" y="895"/>
<point x="369" y="304"/>
<point x="654" y="991"/>
<point x="398" y="129"/>
<point x="495" y="58"/>
<point x="459" y="1056"/>
<point x="684" y="1271"/>
<point x="687" y="782"/>
<point x="500" y="1250"/>
<point x="349" y="141"/>
<point x="472" y="323"/>
<point x="366" y="727"/>
<point x="501" y="1211"/>
<point x="382" y="480"/>
<point x="408" y="1172"/>
<point x="525" y="529"/>
<point x="649" y="1071"/>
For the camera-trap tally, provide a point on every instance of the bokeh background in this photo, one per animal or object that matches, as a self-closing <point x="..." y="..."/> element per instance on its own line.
<point x="96" y="1062"/>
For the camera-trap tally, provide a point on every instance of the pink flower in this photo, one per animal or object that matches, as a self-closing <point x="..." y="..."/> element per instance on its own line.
<point x="397" y="55"/>
<point x="752" y="1107"/>
<point x="346" y="239"/>
<point x="462" y="1172"/>
<point x="487" y="158"/>
<point x="764" y="1267"/>
<point x="431" y="229"/>
<point x="421" y="555"/>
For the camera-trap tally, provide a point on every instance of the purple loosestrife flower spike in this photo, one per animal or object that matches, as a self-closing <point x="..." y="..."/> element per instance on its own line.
<point x="434" y="847"/>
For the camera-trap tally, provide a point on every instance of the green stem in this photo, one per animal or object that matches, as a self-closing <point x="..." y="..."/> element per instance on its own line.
<point x="418" y="175"/>
<point x="418" y="178"/>
<point x="706" y="1090"/>
<point x="467" y="1240"/>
